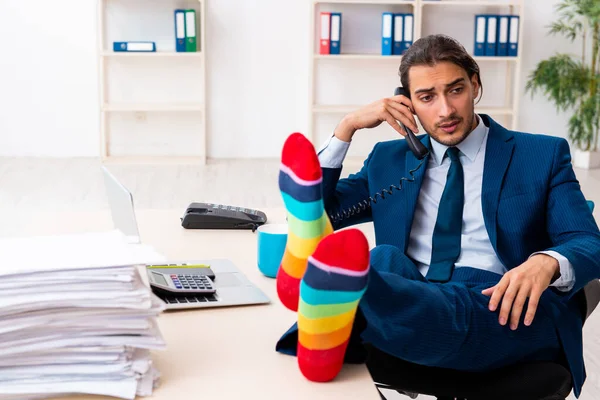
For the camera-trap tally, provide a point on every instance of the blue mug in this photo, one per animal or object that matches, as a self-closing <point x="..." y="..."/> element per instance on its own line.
<point x="272" y="239"/>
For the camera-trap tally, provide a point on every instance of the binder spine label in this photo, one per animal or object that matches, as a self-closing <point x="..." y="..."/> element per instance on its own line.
<point x="491" y="36"/>
<point x="335" y="28"/>
<point x="135" y="46"/>
<point x="503" y="36"/>
<point x="514" y="30"/>
<point x="398" y="30"/>
<point x="408" y="28"/>
<point x="480" y="30"/>
<point x="180" y="26"/>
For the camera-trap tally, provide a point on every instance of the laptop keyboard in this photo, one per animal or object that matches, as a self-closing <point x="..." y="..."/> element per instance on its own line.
<point x="188" y="299"/>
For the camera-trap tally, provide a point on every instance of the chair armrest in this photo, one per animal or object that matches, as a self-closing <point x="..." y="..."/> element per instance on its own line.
<point x="592" y="296"/>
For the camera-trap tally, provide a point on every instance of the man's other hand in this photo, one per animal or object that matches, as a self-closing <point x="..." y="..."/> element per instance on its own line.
<point x="390" y="110"/>
<point x="528" y="280"/>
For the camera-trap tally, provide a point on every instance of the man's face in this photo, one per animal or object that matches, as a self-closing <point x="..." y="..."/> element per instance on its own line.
<point x="443" y="97"/>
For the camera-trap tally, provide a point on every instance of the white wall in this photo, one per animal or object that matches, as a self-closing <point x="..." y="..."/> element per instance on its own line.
<point x="48" y="85"/>
<point x="258" y="75"/>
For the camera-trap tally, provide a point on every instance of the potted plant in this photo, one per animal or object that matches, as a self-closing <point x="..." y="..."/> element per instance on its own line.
<point x="573" y="83"/>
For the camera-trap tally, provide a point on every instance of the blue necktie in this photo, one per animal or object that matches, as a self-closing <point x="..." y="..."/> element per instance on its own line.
<point x="448" y="227"/>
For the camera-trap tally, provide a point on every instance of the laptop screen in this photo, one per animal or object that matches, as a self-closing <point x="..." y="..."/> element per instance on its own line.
<point x="122" y="210"/>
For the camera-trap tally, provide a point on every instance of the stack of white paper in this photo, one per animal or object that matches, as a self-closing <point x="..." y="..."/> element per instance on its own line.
<point x="76" y="317"/>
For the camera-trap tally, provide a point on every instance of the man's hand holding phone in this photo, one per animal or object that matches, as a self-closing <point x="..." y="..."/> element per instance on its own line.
<point x="390" y="110"/>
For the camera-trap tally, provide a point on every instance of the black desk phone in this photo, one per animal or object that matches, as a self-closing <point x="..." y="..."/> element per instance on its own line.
<point x="220" y="216"/>
<point x="418" y="149"/>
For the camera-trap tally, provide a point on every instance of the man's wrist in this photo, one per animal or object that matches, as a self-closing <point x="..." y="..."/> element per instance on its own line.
<point x="550" y="263"/>
<point x="345" y="129"/>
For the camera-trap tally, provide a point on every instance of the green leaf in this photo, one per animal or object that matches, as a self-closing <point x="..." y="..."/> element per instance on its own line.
<point x="570" y="31"/>
<point x="562" y="80"/>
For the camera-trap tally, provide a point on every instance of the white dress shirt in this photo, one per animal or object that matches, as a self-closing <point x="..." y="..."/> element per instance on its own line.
<point x="476" y="248"/>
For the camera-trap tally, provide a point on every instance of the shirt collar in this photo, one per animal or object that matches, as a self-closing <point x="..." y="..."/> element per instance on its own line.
<point x="469" y="147"/>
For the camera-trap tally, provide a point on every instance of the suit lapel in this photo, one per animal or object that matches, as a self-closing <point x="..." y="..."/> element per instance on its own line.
<point x="412" y="189"/>
<point x="498" y="153"/>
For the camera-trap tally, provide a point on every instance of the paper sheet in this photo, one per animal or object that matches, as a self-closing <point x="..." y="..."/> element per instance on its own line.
<point x="76" y="251"/>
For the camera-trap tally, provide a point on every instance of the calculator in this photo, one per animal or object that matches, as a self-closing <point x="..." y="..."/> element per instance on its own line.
<point x="176" y="283"/>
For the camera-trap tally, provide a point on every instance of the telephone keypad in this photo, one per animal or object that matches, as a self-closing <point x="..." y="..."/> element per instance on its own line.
<point x="233" y="208"/>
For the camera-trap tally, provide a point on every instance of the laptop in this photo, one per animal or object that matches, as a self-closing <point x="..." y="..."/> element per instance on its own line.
<point x="232" y="287"/>
<point x="120" y="201"/>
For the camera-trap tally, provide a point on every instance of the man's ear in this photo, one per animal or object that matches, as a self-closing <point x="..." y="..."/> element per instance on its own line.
<point x="475" y="85"/>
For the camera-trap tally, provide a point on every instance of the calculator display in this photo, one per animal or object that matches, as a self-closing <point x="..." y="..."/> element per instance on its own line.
<point x="160" y="279"/>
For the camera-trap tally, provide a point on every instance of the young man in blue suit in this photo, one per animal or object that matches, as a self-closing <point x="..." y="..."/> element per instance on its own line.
<point x="479" y="258"/>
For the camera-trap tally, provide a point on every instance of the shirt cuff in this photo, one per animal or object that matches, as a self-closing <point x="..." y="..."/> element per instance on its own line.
<point x="333" y="152"/>
<point x="566" y="281"/>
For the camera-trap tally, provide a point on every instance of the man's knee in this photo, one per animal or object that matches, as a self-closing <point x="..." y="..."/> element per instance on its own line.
<point x="388" y="258"/>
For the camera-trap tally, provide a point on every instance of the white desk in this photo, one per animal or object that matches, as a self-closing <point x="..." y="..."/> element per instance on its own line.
<point x="226" y="353"/>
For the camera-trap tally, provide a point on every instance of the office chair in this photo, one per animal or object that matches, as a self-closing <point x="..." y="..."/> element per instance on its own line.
<point x="530" y="381"/>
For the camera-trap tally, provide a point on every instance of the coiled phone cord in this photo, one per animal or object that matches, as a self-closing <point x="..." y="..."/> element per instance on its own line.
<point x="365" y="204"/>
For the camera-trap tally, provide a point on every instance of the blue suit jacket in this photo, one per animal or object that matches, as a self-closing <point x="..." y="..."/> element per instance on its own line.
<point x="531" y="201"/>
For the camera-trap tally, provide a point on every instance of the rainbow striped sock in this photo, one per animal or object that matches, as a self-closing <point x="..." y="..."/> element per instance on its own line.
<point x="334" y="282"/>
<point x="300" y="180"/>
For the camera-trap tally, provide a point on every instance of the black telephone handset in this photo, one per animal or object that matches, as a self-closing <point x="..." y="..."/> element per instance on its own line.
<point x="418" y="149"/>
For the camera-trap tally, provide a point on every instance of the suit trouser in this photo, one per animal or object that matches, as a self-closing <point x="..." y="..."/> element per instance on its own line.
<point x="446" y="325"/>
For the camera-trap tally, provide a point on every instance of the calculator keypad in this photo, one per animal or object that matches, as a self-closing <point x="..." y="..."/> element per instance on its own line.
<point x="192" y="282"/>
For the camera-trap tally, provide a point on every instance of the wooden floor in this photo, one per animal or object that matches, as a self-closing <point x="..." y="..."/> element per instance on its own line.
<point x="76" y="184"/>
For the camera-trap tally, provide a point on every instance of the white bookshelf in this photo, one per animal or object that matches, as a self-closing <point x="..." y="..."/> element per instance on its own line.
<point x="140" y="107"/>
<point x="157" y="54"/>
<point x="168" y="57"/>
<point x="346" y="57"/>
<point x="396" y="58"/>
<point x="423" y="11"/>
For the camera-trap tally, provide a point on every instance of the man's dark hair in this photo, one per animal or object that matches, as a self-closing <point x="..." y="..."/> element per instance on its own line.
<point x="433" y="49"/>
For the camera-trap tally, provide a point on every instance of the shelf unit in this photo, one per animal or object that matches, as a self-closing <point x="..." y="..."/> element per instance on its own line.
<point x="420" y="10"/>
<point x="399" y="58"/>
<point x="106" y="106"/>
<point x="157" y="54"/>
<point x="140" y="107"/>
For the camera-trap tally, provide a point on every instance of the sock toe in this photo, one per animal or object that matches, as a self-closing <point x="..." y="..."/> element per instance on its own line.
<point x="347" y="249"/>
<point x="300" y="157"/>
<point x="321" y="365"/>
